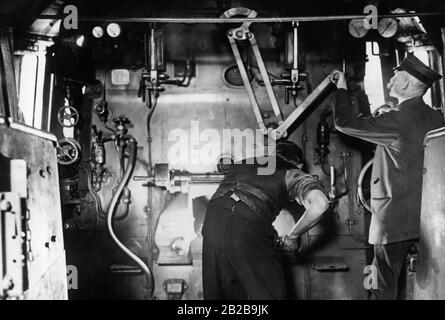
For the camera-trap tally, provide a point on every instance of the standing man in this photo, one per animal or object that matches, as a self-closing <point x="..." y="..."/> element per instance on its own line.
<point x="240" y="255"/>
<point x="396" y="183"/>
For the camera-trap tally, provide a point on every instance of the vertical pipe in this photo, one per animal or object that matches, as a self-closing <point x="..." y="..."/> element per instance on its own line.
<point x="2" y="103"/>
<point x="152" y="50"/>
<point x="36" y="78"/>
<point x="146" y="51"/>
<point x="294" y="75"/>
<point x="156" y="45"/>
<point x="396" y="52"/>
<point x="149" y="212"/>
<point x="295" y="62"/>
<point x="50" y="103"/>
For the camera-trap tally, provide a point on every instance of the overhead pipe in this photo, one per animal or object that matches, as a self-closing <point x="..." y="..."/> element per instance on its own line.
<point x="232" y="20"/>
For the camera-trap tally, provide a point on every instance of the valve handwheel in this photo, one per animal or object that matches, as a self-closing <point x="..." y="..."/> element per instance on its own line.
<point x="68" y="151"/>
<point x="68" y="117"/>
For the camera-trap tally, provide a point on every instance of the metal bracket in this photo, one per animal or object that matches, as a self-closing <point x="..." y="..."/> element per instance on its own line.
<point x="12" y="258"/>
<point x="281" y="131"/>
<point x="243" y="33"/>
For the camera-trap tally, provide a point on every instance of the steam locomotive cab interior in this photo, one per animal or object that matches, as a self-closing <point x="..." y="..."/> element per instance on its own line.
<point x="120" y="119"/>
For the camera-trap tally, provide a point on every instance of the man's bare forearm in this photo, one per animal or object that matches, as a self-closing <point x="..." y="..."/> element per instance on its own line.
<point x="316" y="204"/>
<point x="309" y="219"/>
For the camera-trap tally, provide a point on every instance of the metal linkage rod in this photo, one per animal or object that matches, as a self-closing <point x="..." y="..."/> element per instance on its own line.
<point x="245" y="78"/>
<point x="265" y="76"/>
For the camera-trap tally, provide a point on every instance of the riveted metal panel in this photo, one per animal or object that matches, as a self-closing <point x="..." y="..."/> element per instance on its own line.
<point x="45" y="255"/>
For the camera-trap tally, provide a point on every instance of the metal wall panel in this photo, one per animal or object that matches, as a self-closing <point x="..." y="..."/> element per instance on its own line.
<point x="430" y="275"/>
<point x="216" y="105"/>
<point x="45" y="254"/>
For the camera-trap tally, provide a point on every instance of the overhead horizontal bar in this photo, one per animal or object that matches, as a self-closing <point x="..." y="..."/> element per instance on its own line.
<point x="224" y="20"/>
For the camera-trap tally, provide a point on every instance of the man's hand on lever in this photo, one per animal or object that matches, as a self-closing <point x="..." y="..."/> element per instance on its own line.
<point x="340" y="80"/>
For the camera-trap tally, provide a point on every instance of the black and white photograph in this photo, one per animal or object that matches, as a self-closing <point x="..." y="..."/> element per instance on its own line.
<point x="222" y="154"/>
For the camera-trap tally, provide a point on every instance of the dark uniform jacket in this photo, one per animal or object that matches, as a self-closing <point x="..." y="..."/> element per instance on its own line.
<point x="396" y="183"/>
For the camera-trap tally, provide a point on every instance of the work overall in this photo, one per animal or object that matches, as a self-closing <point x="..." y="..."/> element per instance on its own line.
<point x="240" y="256"/>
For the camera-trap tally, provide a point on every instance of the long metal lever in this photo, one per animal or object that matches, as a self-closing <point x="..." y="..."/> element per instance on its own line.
<point x="245" y="78"/>
<point x="265" y="76"/>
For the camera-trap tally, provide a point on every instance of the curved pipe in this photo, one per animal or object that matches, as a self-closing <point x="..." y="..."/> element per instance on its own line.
<point x="98" y="204"/>
<point x="112" y="208"/>
<point x="359" y="184"/>
<point x="186" y="77"/>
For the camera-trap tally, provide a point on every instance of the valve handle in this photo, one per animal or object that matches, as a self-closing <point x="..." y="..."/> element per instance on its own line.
<point x="68" y="116"/>
<point x="68" y="151"/>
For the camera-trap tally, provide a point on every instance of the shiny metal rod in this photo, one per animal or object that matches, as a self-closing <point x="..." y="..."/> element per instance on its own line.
<point x="295" y="52"/>
<point x="225" y="20"/>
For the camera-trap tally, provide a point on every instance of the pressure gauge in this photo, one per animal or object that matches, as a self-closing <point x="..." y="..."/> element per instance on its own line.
<point x="113" y="30"/>
<point x="357" y="28"/>
<point x="97" y="32"/>
<point x="387" y="27"/>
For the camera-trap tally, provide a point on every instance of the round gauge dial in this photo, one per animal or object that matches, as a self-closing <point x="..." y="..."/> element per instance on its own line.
<point x="357" y="28"/>
<point x="233" y="77"/>
<point x="387" y="27"/>
<point x="113" y="30"/>
<point x="97" y="32"/>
